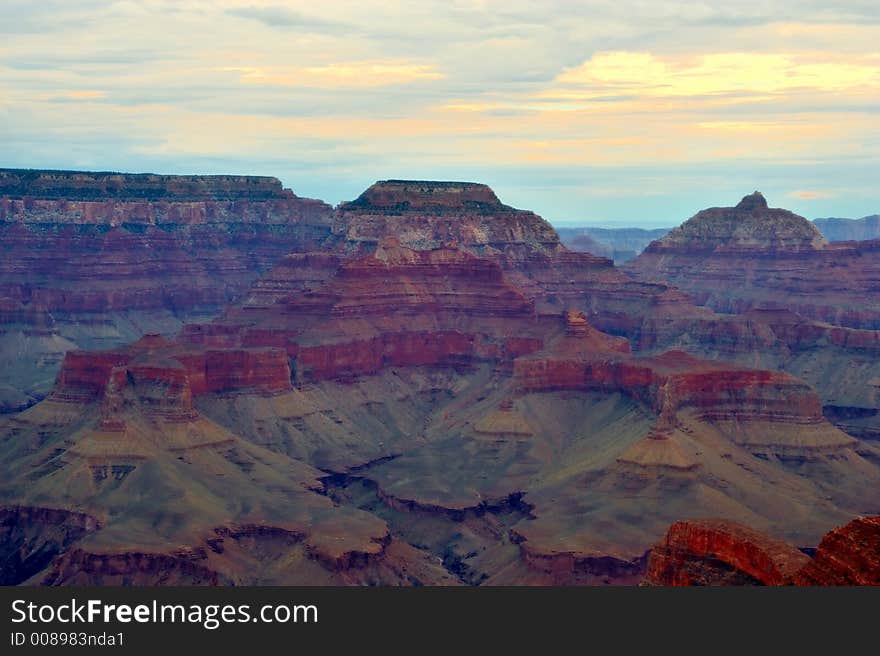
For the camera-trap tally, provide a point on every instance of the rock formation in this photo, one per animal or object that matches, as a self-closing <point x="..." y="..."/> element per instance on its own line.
<point x="716" y="552"/>
<point x="753" y="257"/>
<point x="443" y="393"/>
<point x="93" y="260"/>
<point x="124" y="440"/>
<point x="849" y="555"/>
<point x="469" y="216"/>
<point x="426" y="214"/>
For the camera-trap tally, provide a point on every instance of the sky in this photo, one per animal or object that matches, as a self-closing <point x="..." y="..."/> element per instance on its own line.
<point x="600" y="112"/>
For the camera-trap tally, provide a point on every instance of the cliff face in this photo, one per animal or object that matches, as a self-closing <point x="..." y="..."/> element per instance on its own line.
<point x="424" y="214"/>
<point x="675" y="382"/>
<point x="716" y="552"/>
<point x="96" y="259"/>
<point x="395" y="307"/>
<point x="751" y="256"/>
<point x="849" y="555"/>
<point x="771" y="414"/>
<point x="85" y="185"/>
<point x="428" y="214"/>
<point x="86" y="375"/>
<point x="78" y="197"/>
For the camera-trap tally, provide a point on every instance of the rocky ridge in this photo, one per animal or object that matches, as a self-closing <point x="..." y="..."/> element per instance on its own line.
<point x="717" y="552"/>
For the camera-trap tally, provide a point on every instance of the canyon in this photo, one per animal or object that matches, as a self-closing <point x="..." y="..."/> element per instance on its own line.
<point x="421" y="386"/>
<point x="95" y="260"/>
<point x="620" y="244"/>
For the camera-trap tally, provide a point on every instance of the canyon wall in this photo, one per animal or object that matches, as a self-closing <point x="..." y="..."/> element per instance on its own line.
<point x="751" y="256"/>
<point x="94" y="260"/>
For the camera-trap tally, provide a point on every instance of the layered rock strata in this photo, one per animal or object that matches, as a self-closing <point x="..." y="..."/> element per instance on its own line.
<point x="716" y="552"/>
<point x="752" y="256"/>
<point x="93" y="260"/>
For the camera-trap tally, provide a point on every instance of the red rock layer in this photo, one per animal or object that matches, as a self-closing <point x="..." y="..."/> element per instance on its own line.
<point x="671" y="382"/>
<point x="718" y="552"/>
<point x="295" y="273"/>
<point x="168" y="376"/>
<point x="849" y="555"/>
<point x="394" y="307"/>
<point x="263" y="369"/>
<point x="77" y="243"/>
<point x="84" y="375"/>
<point x="398" y="280"/>
<point x="750" y="256"/>
<point x="366" y="357"/>
<point x="429" y="214"/>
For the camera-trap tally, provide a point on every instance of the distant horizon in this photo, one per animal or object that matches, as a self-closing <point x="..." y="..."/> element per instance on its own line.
<point x="612" y="224"/>
<point x="596" y="112"/>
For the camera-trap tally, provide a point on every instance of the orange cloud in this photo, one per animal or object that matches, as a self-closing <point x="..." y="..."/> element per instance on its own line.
<point x="809" y="195"/>
<point x="357" y="74"/>
<point x="84" y="94"/>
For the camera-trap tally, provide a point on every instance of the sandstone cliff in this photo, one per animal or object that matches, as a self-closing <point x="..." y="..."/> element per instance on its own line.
<point x="715" y="552"/>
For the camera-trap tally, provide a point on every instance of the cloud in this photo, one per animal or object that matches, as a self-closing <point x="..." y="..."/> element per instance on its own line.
<point x="590" y="103"/>
<point x="809" y="195"/>
<point x="646" y="74"/>
<point x="286" y="18"/>
<point x="81" y="95"/>
<point x="358" y="74"/>
<point x="86" y="94"/>
<point x="27" y="17"/>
